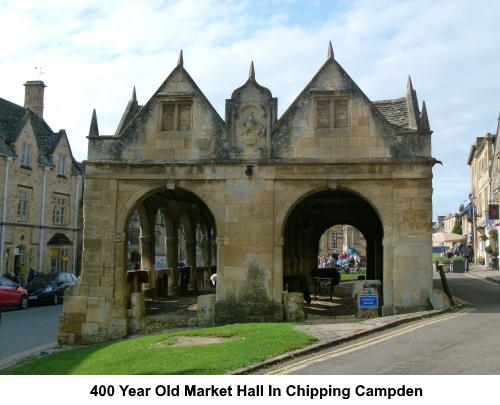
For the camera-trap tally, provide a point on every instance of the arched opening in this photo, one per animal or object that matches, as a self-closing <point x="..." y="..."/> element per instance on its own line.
<point x="168" y="237"/>
<point x="316" y="214"/>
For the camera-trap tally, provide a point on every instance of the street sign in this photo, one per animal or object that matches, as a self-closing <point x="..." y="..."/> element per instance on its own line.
<point x="368" y="300"/>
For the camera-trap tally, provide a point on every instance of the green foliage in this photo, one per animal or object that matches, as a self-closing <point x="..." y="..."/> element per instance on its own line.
<point x="246" y="344"/>
<point x="457" y="228"/>
<point x="491" y="251"/>
<point x="458" y="259"/>
<point x="444" y="260"/>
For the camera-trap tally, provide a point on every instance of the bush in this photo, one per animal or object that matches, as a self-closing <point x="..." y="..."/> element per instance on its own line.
<point x="458" y="259"/>
<point x="444" y="260"/>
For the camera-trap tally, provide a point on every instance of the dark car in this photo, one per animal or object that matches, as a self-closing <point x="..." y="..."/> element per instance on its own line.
<point x="49" y="288"/>
<point x="12" y="294"/>
<point x="439" y="249"/>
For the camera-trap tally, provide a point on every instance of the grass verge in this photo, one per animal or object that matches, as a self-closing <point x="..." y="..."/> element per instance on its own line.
<point x="246" y="344"/>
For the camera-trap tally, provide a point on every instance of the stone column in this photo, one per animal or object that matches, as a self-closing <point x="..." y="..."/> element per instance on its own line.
<point x="172" y="259"/>
<point x="191" y="260"/>
<point x="148" y="257"/>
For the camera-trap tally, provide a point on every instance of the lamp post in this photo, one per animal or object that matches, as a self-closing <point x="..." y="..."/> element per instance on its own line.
<point x="474" y="236"/>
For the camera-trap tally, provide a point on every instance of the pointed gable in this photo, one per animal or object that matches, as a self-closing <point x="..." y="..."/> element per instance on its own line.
<point x="177" y="123"/>
<point x="131" y="111"/>
<point x="332" y="119"/>
<point x="16" y="121"/>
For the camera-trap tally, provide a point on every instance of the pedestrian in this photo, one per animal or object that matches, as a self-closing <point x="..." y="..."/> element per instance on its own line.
<point x="32" y="274"/>
<point x="331" y="261"/>
<point x="466" y="253"/>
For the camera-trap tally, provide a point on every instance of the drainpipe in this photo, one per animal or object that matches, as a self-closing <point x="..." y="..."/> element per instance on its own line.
<point x="42" y="220"/>
<point x="4" y="212"/>
<point x="75" y="231"/>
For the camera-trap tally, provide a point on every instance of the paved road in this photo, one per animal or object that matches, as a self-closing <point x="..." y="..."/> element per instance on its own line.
<point x="463" y="341"/>
<point x="32" y="330"/>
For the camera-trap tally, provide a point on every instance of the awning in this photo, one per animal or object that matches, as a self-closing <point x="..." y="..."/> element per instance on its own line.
<point x="59" y="239"/>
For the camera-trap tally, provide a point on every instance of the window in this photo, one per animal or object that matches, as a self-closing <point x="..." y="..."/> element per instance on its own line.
<point x="333" y="240"/>
<point x="61" y="165"/>
<point x="331" y="112"/>
<point x="22" y="205"/>
<point x="176" y="115"/>
<point x="26" y="155"/>
<point x="59" y="211"/>
<point x="64" y="260"/>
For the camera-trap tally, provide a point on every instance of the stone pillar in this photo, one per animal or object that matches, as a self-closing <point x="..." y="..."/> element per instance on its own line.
<point x="148" y="257"/>
<point x="172" y="259"/>
<point x="138" y="312"/>
<point x="205" y="262"/>
<point x="206" y="310"/>
<point x="294" y="307"/>
<point x="191" y="261"/>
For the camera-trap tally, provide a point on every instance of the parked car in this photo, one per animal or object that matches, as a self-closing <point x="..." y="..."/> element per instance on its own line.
<point x="439" y="249"/>
<point x="49" y="287"/>
<point x="12" y="294"/>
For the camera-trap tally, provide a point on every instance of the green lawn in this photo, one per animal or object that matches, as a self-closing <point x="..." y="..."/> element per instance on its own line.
<point x="352" y="276"/>
<point x="246" y="344"/>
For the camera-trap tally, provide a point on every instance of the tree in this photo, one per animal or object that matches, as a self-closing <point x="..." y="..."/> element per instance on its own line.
<point x="457" y="228"/>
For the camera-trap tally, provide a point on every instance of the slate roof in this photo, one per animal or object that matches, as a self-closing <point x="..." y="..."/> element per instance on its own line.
<point x="12" y="120"/>
<point x="396" y="112"/>
<point x="59" y="239"/>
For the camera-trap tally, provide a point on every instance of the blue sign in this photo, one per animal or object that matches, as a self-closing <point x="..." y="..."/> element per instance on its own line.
<point x="368" y="300"/>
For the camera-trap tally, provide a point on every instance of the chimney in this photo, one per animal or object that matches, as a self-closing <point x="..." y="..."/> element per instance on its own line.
<point x="33" y="96"/>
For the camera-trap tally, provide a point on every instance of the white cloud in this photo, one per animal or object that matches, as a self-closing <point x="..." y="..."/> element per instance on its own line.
<point x="94" y="52"/>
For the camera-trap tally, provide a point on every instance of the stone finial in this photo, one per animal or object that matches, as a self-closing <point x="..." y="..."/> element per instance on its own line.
<point x="409" y="87"/>
<point x="330" y="50"/>
<point x="424" y="119"/>
<point x="412" y="103"/>
<point x="134" y="95"/>
<point x="94" y="129"/>
<point x="251" y="72"/>
<point x="180" y="61"/>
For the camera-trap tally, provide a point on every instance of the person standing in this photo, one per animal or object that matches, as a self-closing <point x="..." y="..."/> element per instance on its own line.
<point x="466" y="254"/>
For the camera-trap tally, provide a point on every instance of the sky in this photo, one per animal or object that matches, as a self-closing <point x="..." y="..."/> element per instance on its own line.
<point x="92" y="53"/>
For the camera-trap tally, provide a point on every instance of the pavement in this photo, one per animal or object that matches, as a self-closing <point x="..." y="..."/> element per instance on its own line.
<point x="334" y="331"/>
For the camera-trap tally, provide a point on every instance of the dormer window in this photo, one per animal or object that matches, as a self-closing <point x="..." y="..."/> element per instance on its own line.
<point x="26" y="155"/>
<point x="176" y="112"/>
<point x="61" y="166"/>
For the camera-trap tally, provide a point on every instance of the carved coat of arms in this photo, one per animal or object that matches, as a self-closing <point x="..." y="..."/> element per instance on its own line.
<point x="250" y="131"/>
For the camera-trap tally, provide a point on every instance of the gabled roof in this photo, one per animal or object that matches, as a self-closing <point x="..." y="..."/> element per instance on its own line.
<point x="131" y="116"/>
<point x="402" y="113"/>
<point x="13" y="119"/>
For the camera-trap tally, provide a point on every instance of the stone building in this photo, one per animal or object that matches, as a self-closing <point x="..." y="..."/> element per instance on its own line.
<point x="481" y="158"/>
<point x="339" y="238"/>
<point x="41" y="190"/>
<point x="252" y="193"/>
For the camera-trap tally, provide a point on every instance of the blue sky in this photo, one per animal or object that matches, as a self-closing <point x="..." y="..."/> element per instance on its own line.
<point x="94" y="52"/>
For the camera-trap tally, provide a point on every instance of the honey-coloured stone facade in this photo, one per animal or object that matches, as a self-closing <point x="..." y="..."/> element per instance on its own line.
<point x="253" y="194"/>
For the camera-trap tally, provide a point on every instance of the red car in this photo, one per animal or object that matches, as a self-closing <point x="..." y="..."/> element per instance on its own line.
<point x="12" y="294"/>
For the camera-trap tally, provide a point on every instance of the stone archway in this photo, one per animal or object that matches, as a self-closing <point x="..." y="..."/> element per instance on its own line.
<point x="318" y="211"/>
